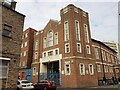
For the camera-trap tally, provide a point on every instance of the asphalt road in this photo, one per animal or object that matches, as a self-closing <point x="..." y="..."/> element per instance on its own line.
<point x="87" y="89"/>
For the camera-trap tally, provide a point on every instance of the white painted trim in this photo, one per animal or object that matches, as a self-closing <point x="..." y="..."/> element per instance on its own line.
<point x="68" y="46"/>
<point x="78" y="30"/>
<point x="2" y="58"/>
<point x="84" y="69"/>
<point x="77" y="57"/>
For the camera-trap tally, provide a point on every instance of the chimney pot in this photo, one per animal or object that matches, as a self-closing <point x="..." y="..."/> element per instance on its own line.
<point x="13" y="4"/>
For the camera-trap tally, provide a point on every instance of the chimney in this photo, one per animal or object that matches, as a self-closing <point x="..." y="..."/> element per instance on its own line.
<point x="13" y="4"/>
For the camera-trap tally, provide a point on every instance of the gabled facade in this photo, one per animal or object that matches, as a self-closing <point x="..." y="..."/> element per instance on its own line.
<point x="12" y="23"/>
<point x="66" y="51"/>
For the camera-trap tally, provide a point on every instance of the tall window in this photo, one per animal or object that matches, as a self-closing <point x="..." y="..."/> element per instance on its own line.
<point x="24" y="53"/>
<point x="96" y="53"/>
<point x="50" y="38"/>
<point x="26" y="35"/>
<point x="86" y="33"/>
<point x="67" y="48"/>
<point x="103" y="55"/>
<point x="77" y="30"/>
<point x="82" y="69"/>
<point x="79" y="47"/>
<point x="66" y="31"/>
<point x="25" y="44"/>
<point x="108" y="57"/>
<point x="112" y="58"/>
<point x="67" y="68"/>
<point x="88" y="49"/>
<point x="36" y="45"/>
<point x="99" y="68"/>
<point x="44" y="43"/>
<point x="56" y="38"/>
<point x="4" y="69"/>
<point x="91" y="69"/>
<point x="24" y="63"/>
<point x="111" y="69"/>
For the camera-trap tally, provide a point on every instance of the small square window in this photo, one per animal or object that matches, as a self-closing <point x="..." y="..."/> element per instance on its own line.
<point x="7" y="30"/>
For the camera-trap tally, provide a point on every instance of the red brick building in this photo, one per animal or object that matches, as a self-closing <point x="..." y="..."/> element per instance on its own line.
<point x="26" y="52"/>
<point x="64" y="52"/>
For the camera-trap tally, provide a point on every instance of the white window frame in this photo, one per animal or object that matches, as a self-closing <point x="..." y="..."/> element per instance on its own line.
<point x="67" y="63"/>
<point x="88" y="50"/>
<point x="22" y="45"/>
<point x="103" y="55"/>
<point x="36" y="44"/>
<point x="50" y="38"/>
<point x="91" y="71"/>
<point x="26" y="35"/>
<point x="79" y="48"/>
<point x="56" y="38"/>
<point x="108" y="57"/>
<point x="86" y="33"/>
<point x="82" y="73"/>
<point x="66" y="31"/>
<point x="66" y="48"/>
<point x="24" y="63"/>
<point x="21" y="54"/>
<point x="111" y="69"/>
<point x="25" y="43"/>
<point x="36" y="55"/>
<point x="96" y="53"/>
<point x="98" y="67"/>
<point x="44" y="42"/>
<point x="77" y="30"/>
<point x="112" y="58"/>
<point x="24" y="53"/>
<point x="6" y="67"/>
<point x="51" y="53"/>
<point x="34" y="71"/>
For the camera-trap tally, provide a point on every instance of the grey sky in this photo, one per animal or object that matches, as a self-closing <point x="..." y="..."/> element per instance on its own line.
<point x="103" y="16"/>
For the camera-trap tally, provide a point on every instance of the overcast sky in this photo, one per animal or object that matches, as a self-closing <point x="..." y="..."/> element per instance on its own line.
<point x="103" y="16"/>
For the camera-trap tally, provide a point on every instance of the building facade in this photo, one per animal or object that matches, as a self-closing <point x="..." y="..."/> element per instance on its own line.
<point x="26" y="53"/>
<point x="115" y="46"/>
<point x="65" y="53"/>
<point x="11" y="38"/>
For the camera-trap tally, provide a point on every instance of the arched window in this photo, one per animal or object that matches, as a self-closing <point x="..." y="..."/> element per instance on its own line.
<point x="91" y="69"/>
<point x="50" y="38"/>
<point x="82" y="68"/>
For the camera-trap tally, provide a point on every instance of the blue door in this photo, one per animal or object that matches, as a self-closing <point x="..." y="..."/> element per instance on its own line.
<point x="28" y="73"/>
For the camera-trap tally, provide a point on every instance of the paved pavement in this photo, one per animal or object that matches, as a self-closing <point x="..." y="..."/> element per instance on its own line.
<point x="111" y="87"/>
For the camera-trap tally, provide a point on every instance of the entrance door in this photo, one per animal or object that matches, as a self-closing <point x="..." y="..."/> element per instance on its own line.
<point x="53" y="72"/>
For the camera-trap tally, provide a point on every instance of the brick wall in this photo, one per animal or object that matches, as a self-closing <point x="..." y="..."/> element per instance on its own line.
<point x="11" y="47"/>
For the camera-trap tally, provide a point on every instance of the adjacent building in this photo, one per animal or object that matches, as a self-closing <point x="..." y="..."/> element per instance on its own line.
<point x="65" y="52"/>
<point x="26" y="53"/>
<point x="115" y="46"/>
<point x="11" y="29"/>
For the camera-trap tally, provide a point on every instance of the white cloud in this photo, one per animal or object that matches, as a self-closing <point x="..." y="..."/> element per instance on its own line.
<point x="103" y="15"/>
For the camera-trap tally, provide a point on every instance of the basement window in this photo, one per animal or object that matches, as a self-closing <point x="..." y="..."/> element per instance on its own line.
<point x="6" y="30"/>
